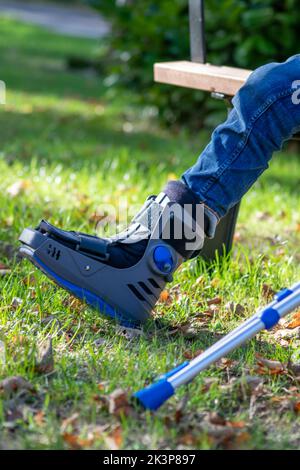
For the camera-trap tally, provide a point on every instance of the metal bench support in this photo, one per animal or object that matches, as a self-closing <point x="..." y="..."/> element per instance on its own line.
<point x="223" y="240"/>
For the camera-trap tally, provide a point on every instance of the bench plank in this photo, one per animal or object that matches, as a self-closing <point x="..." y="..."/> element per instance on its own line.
<point x="221" y="79"/>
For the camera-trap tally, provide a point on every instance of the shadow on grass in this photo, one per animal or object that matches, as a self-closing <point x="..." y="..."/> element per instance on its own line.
<point x="79" y="141"/>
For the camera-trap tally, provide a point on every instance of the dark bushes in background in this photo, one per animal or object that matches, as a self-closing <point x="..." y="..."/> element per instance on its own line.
<point x="242" y="33"/>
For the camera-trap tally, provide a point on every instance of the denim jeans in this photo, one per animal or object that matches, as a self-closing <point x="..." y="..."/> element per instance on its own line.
<point x="266" y="112"/>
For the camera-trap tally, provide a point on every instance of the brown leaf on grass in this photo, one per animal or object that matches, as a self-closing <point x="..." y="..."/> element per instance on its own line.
<point x="216" y="418"/>
<point x="236" y="424"/>
<point x="188" y="330"/>
<point x="13" y="414"/>
<point x="44" y="360"/>
<point x="191" y="355"/>
<point x="268" y="366"/>
<point x="230" y="434"/>
<point x="297" y="407"/>
<point x="205" y="316"/>
<point x="76" y="442"/>
<point x="15" y="384"/>
<point x="287" y="334"/>
<point x="295" y="322"/>
<point x="164" y="296"/>
<point x="129" y="333"/>
<point x="267" y="292"/>
<point x="29" y="280"/>
<point x="244" y="387"/>
<point x="4" y="270"/>
<point x="69" y="423"/>
<point x="212" y="311"/>
<point x="208" y="382"/>
<point x="226" y="363"/>
<point x="73" y="304"/>
<point x="220" y="434"/>
<point x="237" y="309"/>
<point x="114" y="439"/>
<point x="16" y="303"/>
<point x="39" y="418"/>
<point x="188" y="439"/>
<point x="238" y="441"/>
<point x="294" y="368"/>
<point x="283" y="403"/>
<point x="118" y="403"/>
<point x="215" y="301"/>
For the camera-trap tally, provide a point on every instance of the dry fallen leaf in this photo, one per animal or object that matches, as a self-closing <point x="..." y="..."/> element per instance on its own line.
<point x="114" y="439"/>
<point x="294" y="368"/>
<point x="188" y="439"/>
<point x="188" y="330"/>
<point x="295" y="322"/>
<point x="68" y="423"/>
<point x="297" y="407"/>
<point x="44" y="361"/>
<point x="208" y="382"/>
<point x="16" y="303"/>
<point x="216" y="418"/>
<point x="236" y="424"/>
<point x="15" y="384"/>
<point x="39" y="418"/>
<point x="215" y="301"/>
<point x="118" y="403"/>
<point x="129" y="333"/>
<point x="191" y="355"/>
<point x="237" y="309"/>
<point x="226" y="363"/>
<point x="267" y="366"/>
<point x="164" y="296"/>
<point x="76" y="442"/>
<point x="267" y="292"/>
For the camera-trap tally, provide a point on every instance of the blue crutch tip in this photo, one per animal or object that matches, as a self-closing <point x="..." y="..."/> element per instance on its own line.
<point x="155" y="395"/>
<point x="270" y="317"/>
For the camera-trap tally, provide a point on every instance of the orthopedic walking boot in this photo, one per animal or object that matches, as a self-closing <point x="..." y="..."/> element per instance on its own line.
<point x="122" y="276"/>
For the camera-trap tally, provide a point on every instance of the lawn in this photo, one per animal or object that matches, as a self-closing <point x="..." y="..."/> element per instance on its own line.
<point x="69" y="142"/>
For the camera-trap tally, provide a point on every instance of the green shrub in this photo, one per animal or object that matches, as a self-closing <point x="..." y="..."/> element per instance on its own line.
<point x="242" y="33"/>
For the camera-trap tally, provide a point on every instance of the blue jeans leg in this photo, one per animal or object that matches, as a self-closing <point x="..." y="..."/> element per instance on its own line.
<point x="266" y="112"/>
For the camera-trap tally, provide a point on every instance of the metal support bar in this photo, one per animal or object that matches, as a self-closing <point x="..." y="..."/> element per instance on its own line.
<point x="287" y="300"/>
<point x="197" y="32"/>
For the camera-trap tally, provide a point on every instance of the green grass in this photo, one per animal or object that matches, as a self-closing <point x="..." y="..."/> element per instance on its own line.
<point x="74" y="142"/>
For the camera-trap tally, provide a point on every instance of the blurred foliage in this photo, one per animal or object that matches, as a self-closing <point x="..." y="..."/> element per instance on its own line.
<point x="242" y="33"/>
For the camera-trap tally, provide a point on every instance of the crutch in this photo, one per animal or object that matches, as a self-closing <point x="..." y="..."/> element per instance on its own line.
<point x="285" y="301"/>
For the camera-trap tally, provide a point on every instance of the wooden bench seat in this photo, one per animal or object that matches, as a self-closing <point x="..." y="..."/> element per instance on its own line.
<point x="220" y="79"/>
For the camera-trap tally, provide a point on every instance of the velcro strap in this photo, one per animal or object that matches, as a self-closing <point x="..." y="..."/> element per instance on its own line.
<point x="93" y="245"/>
<point x="81" y="242"/>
